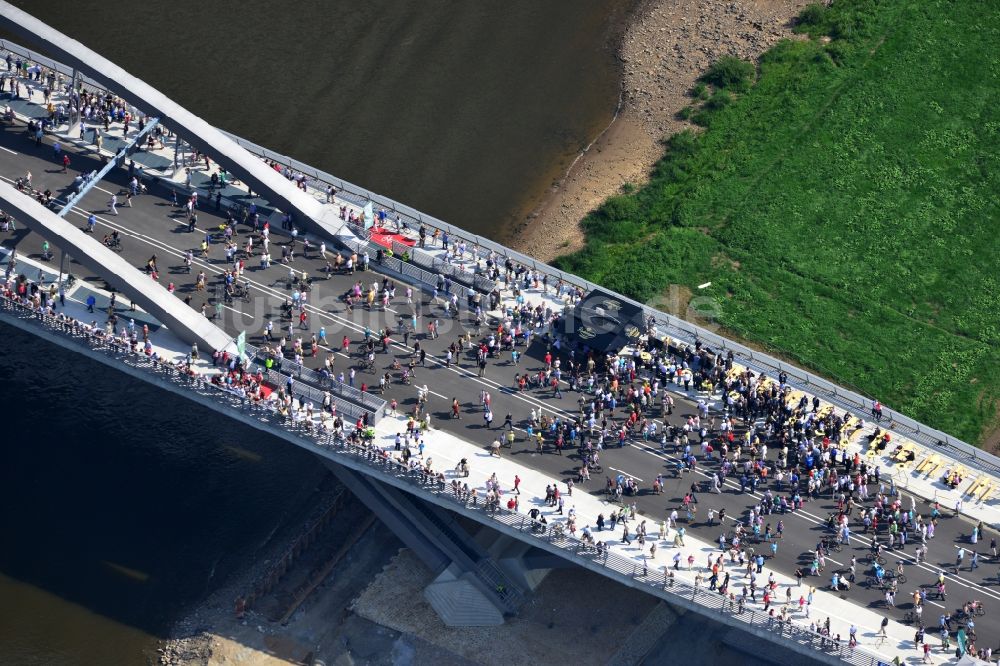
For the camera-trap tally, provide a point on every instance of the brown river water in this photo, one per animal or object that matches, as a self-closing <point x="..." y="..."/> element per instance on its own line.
<point x="124" y="506"/>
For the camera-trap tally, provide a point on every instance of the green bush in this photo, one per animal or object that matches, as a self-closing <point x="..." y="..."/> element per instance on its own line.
<point x="685" y="113"/>
<point x="683" y="143"/>
<point x="812" y="15"/>
<point x="620" y="209"/>
<point x="702" y="118"/>
<point x="719" y="100"/>
<point x="730" y="73"/>
<point x="700" y="91"/>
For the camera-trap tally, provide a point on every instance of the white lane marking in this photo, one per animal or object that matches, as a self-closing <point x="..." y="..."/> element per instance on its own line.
<point x="629" y="474"/>
<point x="8" y="150"/>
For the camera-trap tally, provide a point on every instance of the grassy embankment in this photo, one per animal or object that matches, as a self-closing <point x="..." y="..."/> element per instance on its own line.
<point x="843" y="202"/>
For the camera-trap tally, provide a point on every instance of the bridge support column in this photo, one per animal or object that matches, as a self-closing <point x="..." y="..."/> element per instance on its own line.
<point x="62" y="271"/>
<point x="75" y="113"/>
<point x="524" y="564"/>
<point x="470" y="588"/>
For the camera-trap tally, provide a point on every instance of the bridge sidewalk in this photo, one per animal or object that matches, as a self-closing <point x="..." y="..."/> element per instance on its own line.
<point x="447" y="450"/>
<point x="166" y="345"/>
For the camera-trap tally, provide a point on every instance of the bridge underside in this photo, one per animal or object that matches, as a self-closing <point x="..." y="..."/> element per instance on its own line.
<point x="470" y="588"/>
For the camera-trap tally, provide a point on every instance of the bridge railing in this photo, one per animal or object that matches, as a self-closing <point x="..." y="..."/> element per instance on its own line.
<point x="683" y="331"/>
<point x="656" y="579"/>
<point x="378" y="463"/>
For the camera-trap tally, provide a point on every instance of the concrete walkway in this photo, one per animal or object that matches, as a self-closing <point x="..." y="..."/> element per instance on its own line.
<point x="446" y="451"/>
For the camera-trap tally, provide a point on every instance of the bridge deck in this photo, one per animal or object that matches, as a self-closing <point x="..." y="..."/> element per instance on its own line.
<point x="153" y="226"/>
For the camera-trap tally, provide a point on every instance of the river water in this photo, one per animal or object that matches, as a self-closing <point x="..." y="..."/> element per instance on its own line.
<point x="465" y="110"/>
<point x="123" y="504"/>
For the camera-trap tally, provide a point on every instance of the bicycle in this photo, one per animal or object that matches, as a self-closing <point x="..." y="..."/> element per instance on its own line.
<point x="976" y="610"/>
<point x="242" y="292"/>
<point x="833" y="546"/>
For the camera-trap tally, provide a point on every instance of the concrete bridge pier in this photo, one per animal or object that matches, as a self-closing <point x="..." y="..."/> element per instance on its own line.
<point x="471" y="589"/>
<point x="525" y="565"/>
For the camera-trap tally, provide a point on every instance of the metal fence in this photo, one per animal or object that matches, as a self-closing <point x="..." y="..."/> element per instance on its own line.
<point x="410" y="272"/>
<point x="683" y="331"/>
<point x="369" y="401"/>
<point x="373" y="461"/>
<point x="315" y="395"/>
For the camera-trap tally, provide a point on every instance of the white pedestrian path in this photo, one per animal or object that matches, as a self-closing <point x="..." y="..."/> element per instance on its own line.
<point x="447" y="450"/>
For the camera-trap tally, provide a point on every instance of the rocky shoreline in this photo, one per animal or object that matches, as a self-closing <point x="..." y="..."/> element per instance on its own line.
<point x="668" y="45"/>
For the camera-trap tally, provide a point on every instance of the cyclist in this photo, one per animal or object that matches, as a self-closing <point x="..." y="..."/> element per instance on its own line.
<point x="879" y="573"/>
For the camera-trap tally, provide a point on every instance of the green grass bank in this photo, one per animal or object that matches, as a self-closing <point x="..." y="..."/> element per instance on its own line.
<point x="843" y="202"/>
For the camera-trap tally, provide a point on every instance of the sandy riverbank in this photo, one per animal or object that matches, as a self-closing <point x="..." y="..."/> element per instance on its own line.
<point x="668" y="46"/>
